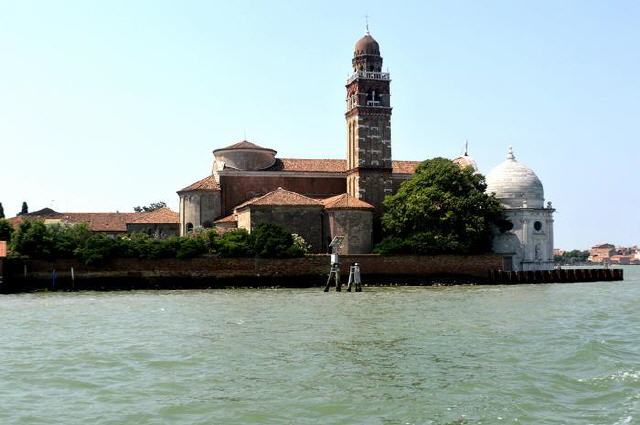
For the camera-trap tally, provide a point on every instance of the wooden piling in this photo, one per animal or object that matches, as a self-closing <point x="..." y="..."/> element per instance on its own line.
<point x="555" y="276"/>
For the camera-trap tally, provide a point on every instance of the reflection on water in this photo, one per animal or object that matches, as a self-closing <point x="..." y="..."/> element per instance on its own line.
<point x="442" y="355"/>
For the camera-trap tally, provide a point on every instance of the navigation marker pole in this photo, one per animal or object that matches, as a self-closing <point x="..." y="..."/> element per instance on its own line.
<point x="334" y="273"/>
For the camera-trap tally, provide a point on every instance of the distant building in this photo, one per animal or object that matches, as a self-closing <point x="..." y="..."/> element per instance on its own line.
<point x="621" y="259"/>
<point x="601" y="253"/>
<point x="160" y="223"/>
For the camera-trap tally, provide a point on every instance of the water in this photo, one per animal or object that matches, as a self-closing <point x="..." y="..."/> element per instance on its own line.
<point x="545" y="354"/>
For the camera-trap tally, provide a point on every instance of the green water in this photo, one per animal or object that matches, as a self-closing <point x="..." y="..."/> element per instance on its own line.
<point x="531" y="354"/>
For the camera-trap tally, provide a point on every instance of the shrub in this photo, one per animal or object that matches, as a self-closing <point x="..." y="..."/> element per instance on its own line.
<point x="392" y="245"/>
<point x="96" y="250"/>
<point x="300" y="243"/>
<point x="6" y="230"/>
<point x="234" y="243"/>
<point x="190" y="248"/>
<point x="39" y="241"/>
<point x="272" y="241"/>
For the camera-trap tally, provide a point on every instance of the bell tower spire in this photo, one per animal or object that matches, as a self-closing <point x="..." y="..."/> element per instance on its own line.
<point x="368" y="119"/>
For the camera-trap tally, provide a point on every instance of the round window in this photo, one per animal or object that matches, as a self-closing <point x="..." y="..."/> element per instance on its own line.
<point x="537" y="225"/>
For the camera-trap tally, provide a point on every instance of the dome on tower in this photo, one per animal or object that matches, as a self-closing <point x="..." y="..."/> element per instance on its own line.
<point x="367" y="45"/>
<point x="515" y="184"/>
<point x="465" y="160"/>
<point x="245" y="156"/>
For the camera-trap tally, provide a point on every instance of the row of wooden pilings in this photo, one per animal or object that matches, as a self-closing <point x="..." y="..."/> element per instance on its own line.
<point x="556" y="276"/>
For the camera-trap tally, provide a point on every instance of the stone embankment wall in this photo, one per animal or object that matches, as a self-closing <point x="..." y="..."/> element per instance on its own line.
<point x="223" y="272"/>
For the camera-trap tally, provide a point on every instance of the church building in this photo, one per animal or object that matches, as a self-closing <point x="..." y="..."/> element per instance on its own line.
<point x="316" y="198"/>
<point x="322" y="198"/>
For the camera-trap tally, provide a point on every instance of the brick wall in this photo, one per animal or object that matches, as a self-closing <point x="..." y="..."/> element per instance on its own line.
<point x="306" y="221"/>
<point x="220" y="272"/>
<point x="355" y="225"/>
<point x="238" y="189"/>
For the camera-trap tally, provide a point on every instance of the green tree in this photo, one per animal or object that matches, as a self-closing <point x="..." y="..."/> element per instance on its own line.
<point x="572" y="257"/>
<point x="442" y="209"/>
<point x="34" y="240"/>
<point x="1" y="211"/>
<point x="67" y="238"/>
<point x="151" y="207"/>
<point x="96" y="249"/>
<point x="190" y="248"/>
<point x="235" y="243"/>
<point x="272" y="241"/>
<point x="24" y="209"/>
<point x="6" y="230"/>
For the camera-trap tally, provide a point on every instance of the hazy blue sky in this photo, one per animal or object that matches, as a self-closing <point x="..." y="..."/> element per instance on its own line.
<point x="107" y="105"/>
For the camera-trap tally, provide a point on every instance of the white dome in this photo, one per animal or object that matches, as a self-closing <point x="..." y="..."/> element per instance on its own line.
<point x="515" y="184"/>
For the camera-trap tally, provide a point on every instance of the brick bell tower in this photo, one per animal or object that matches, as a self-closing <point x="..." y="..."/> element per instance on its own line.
<point x="369" y="126"/>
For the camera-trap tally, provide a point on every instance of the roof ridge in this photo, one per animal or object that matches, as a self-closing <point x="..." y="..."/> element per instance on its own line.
<point x="275" y="193"/>
<point x="346" y="201"/>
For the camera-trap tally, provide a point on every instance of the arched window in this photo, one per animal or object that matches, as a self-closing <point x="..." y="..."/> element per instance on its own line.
<point x="189" y="227"/>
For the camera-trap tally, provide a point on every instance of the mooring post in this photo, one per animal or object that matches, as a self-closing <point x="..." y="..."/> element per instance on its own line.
<point x="326" y="287"/>
<point x="53" y="279"/>
<point x="73" y="279"/>
<point x="356" y="277"/>
<point x="334" y="274"/>
<point x="350" y="282"/>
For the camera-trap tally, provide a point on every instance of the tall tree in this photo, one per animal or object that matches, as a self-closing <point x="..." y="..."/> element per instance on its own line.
<point x="6" y="230"/>
<point x="1" y="210"/>
<point x="151" y="207"/>
<point x="25" y="209"/>
<point x="442" y="209"/>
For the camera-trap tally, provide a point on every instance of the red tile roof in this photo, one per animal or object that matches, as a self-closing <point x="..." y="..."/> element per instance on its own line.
<point x="333" y="165"/>
<point x="208" y="183"/>
<point x="281" y="196"/>
<point x="231" y="218"/>
<point x="159" y="216"/>
<point x="3" y="249"/>
<point x="312" y="165"/>
<point x="346" y="202"/>
<point x="113" y="222"/>
<point x="244" y="144"/>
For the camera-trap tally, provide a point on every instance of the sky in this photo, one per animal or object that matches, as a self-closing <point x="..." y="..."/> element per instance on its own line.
<point x="109" y="105"/>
